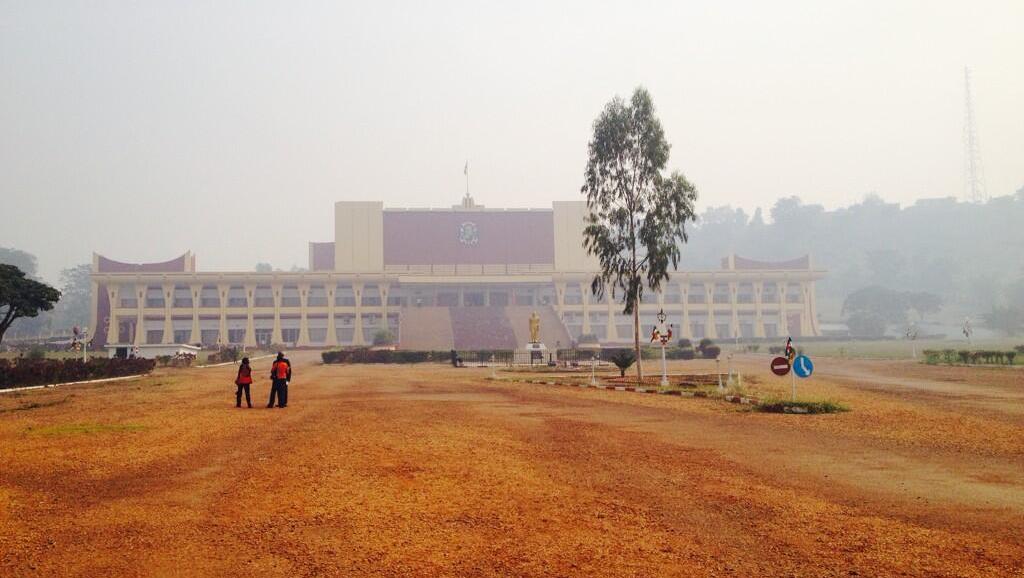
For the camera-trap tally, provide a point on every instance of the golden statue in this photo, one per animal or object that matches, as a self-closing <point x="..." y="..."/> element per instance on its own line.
<point x="534" y="328"/>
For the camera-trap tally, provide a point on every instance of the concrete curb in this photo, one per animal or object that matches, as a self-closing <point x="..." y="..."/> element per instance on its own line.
<point x="49" y="385"/>
<point x="679" y="393"/>
<point x="251" y="359"/>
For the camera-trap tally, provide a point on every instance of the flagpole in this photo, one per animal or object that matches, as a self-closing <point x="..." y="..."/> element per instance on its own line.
<point x="467" y="178"/>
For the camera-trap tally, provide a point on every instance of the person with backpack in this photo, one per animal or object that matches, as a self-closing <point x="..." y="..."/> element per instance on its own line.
<point x="243" y="381"/>
<point x="280" y="375"/>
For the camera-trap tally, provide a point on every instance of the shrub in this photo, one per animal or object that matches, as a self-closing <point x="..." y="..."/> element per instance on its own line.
<point x="623" y="359"/>
<point x="224" y="355"/>
<point x="36" y="352"/>
<point x="776" y="349"/>
<point x="27" y="372"/>
<point x="1010" y="356"/>
<point x="779" y="406"/>
<point x="684" y="343"/>
<point x="711" y="352"/>
<point x="932" y="356"/>
<point x="383" y="337"/>
<point x="964" y="355"/>
<point x="687" y="353"/>
<point x="704" y="343"/>
<point x="1019" y="349"/>
<point x="364" y="355"/>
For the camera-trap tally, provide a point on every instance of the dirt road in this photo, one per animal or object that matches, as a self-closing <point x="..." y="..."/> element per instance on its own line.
<point x="433" y="471"/>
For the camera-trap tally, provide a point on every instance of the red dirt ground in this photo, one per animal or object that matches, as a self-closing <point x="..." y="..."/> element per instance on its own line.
<point x="435" y="471"/>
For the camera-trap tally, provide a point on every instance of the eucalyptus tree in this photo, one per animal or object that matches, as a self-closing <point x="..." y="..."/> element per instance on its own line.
<point x="636" y="214"/>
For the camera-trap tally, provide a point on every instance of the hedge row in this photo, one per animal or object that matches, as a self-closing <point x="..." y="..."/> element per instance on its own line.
<point x="27" y="372"/>
<point x="951" y="356"/>
<point x="384" y="356"/>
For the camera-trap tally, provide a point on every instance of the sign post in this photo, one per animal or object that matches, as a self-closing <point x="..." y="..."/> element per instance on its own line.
<point x="802" y="368"/>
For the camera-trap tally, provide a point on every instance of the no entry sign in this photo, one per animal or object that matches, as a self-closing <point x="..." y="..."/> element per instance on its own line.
<point x="780" y="366"/>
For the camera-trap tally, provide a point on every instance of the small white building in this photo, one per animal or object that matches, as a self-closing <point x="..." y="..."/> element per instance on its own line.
<point x="150" y="350"/>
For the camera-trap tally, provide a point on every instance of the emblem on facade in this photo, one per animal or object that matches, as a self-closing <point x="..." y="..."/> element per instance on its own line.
<point x="468" y="233"/>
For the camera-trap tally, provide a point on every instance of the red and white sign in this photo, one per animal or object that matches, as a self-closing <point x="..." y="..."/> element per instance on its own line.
<point x="780" y="366"/>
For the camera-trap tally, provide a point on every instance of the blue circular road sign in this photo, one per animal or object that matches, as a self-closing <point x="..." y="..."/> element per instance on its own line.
<point x="802" y="366"/>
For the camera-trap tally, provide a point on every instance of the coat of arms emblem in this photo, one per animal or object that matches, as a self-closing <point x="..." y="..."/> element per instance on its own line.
<point x="468" y="233"/>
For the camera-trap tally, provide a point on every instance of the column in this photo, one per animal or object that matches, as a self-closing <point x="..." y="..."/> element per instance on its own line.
<point x="783" y="319"/>
<point x="733" y="302"/>
<point x="684" y="294"/>
<point x="250" y="323"/>
<point x="223" y="289"/>
<point x="710" y="330"/>
<point x="303" y="316"/>
<point x="612" y="334"/>
<point x="168" y="290"/>
<point x="806" y="322"/>
<point x="140" y="319"/>
<point x="383" y="289"/>
<point x="196" y="335"/>
<point x="114" y="327"/>
<point x="758" y="319"/>
<point x="585" y="294"/>
<point x="357" y="290"/>
<point x="332" y="334"/>
<point x="275" y="336"/>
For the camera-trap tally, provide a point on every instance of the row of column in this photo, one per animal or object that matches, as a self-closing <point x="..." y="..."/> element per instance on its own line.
<point x="223" y="289"/>
<point x="808" y="325"/>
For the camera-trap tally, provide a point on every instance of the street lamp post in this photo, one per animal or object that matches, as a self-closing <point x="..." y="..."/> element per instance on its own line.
<point x="663" y="334"/>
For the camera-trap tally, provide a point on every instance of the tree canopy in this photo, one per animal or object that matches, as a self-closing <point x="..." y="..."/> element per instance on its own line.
<point x="22" y="297"/>
<point x="636" y="214"/>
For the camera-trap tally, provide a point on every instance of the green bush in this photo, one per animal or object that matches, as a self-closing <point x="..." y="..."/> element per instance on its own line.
<point x="623" y="359"/>
<point x="36" y="352"/>
<point x="684" y="343"/>
<point x="364" y="355"/>
<point x="810" y="407"/>
<point x="711" y="352"/>
<point x="383" y="337"/>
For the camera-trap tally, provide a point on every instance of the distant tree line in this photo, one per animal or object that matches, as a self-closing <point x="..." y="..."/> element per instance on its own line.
<point x="968" y="254"/>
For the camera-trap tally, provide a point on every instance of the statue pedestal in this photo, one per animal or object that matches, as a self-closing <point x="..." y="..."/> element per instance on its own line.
<point x="536" y="350"/>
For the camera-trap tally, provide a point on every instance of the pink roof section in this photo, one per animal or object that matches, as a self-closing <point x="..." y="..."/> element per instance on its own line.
<point x="503" y="237"/>
<point x="182" y="264"/>
<point x="744" y="264"/>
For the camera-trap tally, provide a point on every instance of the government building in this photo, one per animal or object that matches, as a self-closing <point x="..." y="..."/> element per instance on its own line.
<point x="465" y="277"/>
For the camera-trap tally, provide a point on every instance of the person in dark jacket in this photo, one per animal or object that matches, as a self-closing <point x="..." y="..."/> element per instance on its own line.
<point x="243" y="381"/>
<point x="280" y="375"/>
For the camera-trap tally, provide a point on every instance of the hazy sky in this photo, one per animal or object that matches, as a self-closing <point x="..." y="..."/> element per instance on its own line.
<point x="142" y="129"/>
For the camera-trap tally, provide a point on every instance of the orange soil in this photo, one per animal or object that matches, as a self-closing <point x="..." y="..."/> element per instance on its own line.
<point x="435" y="471"/>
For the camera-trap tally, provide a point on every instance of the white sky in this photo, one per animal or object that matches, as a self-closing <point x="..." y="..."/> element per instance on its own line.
<point x="142" y="129"/>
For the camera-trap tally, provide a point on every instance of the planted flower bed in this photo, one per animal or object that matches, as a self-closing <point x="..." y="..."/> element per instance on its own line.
<point x="28" y="372"/>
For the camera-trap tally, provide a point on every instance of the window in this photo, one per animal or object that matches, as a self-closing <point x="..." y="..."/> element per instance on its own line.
<point x="290" y="296"/>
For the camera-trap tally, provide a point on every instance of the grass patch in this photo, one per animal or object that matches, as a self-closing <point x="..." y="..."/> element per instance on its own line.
<point x="783" y="406"/>
<point x="36" y="405"/>
<point x="85" y="428"/>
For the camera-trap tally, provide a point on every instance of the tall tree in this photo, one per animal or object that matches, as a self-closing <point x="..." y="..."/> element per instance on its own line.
<point x="636" y="215"/>
<point x="76" y="293"/>
<point x="22" y="297"/>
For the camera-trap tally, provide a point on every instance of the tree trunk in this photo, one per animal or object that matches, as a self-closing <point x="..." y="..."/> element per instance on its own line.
<point x="636" y="342"/>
